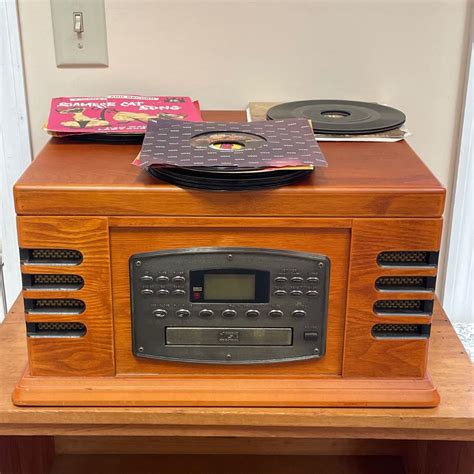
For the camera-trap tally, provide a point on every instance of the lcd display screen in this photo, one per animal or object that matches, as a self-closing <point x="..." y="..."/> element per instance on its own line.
<point x="229" y="286"/>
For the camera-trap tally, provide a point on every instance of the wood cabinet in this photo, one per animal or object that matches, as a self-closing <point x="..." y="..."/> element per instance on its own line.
<point x="376" y="212"/>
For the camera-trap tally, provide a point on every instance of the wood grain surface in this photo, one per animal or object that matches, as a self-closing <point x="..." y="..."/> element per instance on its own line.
<point x="362" y="180"/>
<point x="351" y="349"/>
<point x="365" y="356"/>
<point x="92" y="354"/>
<point x="277" y="234"/>
<point x="449" y="366"/>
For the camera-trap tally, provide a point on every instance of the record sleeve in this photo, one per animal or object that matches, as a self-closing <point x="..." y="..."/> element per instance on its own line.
<point x="280" y="144"/>
<point x="115" y="114"/>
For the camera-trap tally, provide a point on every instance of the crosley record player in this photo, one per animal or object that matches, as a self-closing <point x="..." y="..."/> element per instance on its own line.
<point x="139" y="293"/>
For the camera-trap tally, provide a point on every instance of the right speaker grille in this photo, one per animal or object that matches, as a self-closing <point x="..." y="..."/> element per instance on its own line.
<point x="407" y="258"/>
<point x="415" y="307"/>
<point x="405" y="283"/>
<point x="401" y="331"/>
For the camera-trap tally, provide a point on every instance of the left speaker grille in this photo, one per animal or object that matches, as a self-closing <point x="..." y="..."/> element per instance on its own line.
<point x="50" y="256"/>
<point x="54" y="306"/>
<point x="56" y="329"/>
<point x="52" y="282"/>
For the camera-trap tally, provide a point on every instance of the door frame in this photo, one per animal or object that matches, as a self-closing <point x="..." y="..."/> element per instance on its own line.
<point x="15" y="145"/>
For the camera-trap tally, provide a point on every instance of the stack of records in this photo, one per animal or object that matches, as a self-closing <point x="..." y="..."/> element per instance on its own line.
<point x="230" y="156"/>
<point x="115" y="118"/>
<point x="338" y="120"/>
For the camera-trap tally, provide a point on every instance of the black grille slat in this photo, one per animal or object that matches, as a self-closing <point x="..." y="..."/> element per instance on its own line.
<point x="56" y="329"/>
<point x="406" y="283"/>
<point x="401" y="331"/>
<point x="50" y="257"/>
<point x="415" y="307"/>
<point x="407" y="258"/>
<point x="52" y="282"/>
<point x="54" y="306"/>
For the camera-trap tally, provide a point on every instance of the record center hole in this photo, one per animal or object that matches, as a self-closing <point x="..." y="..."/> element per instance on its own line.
<point x="227" y="146"/>
<point x="335" y="114"/>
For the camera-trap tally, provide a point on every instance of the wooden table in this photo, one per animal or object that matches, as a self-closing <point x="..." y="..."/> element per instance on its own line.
<point x="439" y="440"/>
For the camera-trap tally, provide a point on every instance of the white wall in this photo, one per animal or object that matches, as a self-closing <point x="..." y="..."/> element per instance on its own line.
<point x="409" y="54"/>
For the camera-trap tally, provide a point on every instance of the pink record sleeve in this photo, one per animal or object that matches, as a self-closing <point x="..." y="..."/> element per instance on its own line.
<point x="127" y="114"/>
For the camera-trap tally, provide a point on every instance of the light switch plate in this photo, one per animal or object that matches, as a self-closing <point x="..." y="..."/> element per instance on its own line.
<point x="88" y="48"/>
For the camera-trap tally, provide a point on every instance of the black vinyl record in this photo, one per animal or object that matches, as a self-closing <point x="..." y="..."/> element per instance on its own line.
<point x="341" y="117"/>
<point x="121" y="139"/>
<point x="227" y="180"/>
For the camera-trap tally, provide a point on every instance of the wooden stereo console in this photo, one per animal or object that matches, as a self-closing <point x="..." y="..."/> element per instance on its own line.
<point x="126" y="300"/>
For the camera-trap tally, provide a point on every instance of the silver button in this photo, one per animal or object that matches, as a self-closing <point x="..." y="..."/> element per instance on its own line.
<point x="178" y="279"/>
<point x="312" y="279"/>
<point x="183" y="313"/>
<point x="229" y="313"/>
<point x="252" y="313"/>
<point x="279" y="292"/>
<point x="163" y="292"/>
<point x="146" y="291"/>
<point x="162" y="278"/>
<point x="296" y="293"/>
<point x="206" y="313"/>
<point x="297" y="279"/>
<point x="275" y="313"/>
<point x="178" y="292"/>
<point x="146" y="278"/>
<point x="299" y="313"/>
<point x="312" y="293"/>
<point x="281" y="279"/>
<point x="160" y="313"/>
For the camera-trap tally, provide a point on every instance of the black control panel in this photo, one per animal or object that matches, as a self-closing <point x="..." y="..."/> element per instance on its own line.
<point x="229" y="305"/>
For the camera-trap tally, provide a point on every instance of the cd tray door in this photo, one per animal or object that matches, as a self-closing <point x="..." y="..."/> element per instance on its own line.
<point x="233" y="305"/>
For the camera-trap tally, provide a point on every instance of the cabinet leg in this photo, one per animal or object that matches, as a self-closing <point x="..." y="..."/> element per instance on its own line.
<point x="439" y="457"/>
<point x="26" y="454"/>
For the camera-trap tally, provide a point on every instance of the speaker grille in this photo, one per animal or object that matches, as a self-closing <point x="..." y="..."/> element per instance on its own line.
<point x="55" y="329"/>
<point x="407" y="283"/>
<point x="52" y="282"/>
<point x="54" y="306"/>
<point x="50" y="257"/>
<point x="407" y="258"/>
<point x="401" y="331"/>
<point x="404" y="307"/>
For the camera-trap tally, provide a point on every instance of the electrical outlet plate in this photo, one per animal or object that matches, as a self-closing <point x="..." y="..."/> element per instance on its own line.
<point x="78" y="49"/>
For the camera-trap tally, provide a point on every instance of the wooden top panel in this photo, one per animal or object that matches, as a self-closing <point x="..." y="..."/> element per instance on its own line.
<point x="75" y="177"/>
<point x="452" y="419"/>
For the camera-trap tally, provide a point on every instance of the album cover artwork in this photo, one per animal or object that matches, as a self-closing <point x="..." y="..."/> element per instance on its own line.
<point x="115" y="114"/>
